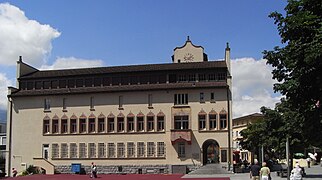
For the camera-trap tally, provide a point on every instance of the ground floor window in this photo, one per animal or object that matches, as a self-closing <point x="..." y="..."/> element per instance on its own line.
<point x="91" y="150"/>
<point x="181" y="150"/>
<point x="223" y="154"/>
<point x="101" y="150"/>
<point x="82" y="150"/>
<point x="73" y="150"/>
<point x="141" y="148"/>
<point x="120" y="150"/>
<point x="55" y="151"/>
<point x="151" y="149"/>
<point x="64" y="150"/>
<point x="111" y="150"/>
<point x="161" y="149"/>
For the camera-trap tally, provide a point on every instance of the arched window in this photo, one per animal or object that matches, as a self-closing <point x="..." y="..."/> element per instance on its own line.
<point x="55" y="124"/>
<point x="150" y="121"/>
<point x="140" y="121"/>
<point x="202" y="120"/>
<point x="160" y="121"/>
<point x="223" y="119"/>
<point x="101" y="123"/>
<point x="73" y="124"/>
<point x="82" y="124"/>
<point x="64" y="124"/>
<point x="46" y="125"/>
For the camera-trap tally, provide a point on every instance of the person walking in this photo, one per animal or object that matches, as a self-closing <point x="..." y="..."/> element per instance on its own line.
<point x="296" y="173"/>
<point x="93" y="170"/>
<point x="14" y="172"/>
<point x="265" y="172"/>
<point x="254" y="170"/>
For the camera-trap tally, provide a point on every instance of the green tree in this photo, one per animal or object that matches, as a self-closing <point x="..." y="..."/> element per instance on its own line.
<point x="297" y="65"/>
<point x="272" y="131"/>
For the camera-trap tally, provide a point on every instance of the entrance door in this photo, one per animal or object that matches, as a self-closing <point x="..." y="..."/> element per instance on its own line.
<point x="210" y="149"/>
<point x="45" y="151"/>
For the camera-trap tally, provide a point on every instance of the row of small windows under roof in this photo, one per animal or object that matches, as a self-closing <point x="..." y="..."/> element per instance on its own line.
<point x="119" y="80"/>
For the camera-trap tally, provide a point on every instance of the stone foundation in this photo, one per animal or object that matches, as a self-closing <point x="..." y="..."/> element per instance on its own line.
<point x="126" y="169"/>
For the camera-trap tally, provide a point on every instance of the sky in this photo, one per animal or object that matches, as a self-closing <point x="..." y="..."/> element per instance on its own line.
<point x="93" y="33"/>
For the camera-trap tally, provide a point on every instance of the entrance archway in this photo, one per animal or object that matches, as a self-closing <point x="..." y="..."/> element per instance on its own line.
<point x="210" y="149"/>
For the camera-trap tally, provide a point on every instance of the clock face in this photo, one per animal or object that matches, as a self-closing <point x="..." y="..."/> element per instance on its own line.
<point x="188" y="57"/>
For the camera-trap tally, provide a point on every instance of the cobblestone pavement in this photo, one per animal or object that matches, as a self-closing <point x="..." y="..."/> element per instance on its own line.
<point x="313" y="173"/>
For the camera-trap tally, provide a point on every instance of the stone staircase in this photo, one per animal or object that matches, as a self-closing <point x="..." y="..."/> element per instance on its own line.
<point x="209" y="169"/>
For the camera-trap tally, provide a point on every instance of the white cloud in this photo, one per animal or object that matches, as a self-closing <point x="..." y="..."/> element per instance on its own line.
<point x="72" y="62"/>
<point x="20" y="36"/>
<point x="4" y="83"/>
<point x="252" y="86"/>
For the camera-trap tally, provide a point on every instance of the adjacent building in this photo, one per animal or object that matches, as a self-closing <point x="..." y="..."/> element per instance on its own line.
<point x="153" y="118"/>
<point x="240" y="124"/>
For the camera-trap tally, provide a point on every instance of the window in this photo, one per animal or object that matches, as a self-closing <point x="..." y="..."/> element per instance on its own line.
<point x="221" y="76"/>
<point x="73" y="125"/>
<point x="64" y="150"/>
<point x="101" y="125"/>
<point x="151" y="149"/>
<point x="223" y="154"/>
<point x="150" y="120"/>
<point x="130" y="124"/>
<point x="223" y="121"/>
<point x="101" y="150"/>
<point x="55" y="126"/>
<point x="180" y="99"/>
<point x="46" y="127"/>
<point x="62" y="83"/>
<point x="79" y="82"/>
<point x="64" y="126"/>
<point x="141" y="149"/>
<point x="150" y="100"/>
<point x="120" y="102"/>
<point x="192" y="77"/>
<point x="212" y="121"/>
<point x="181" y="150"/>
<point x="202" y="122"/>
<point x="111" y="150"/>
<point x="55" y="151"/>
<point x="140" y="123"/>
<point x="211" y="77"/>
<point x="46" y="84"/>
<point x="160" y="123"/>
<point x="38" y="84"/>
<point x="181" y="122"/>
<point x="110" y="124"/>
<point x="202" y="77"/>
<point x="182" y="78"/>
<point x="202" y="97"/>
<point x="91" y="125"/>
<point x="73" y="150"/>
<point x="47" y="105"/>
<point x="120" y="150"/>
<point x="82" y="125"/>
<point x="161" y="149"/>
<point x="91" y="150"/>
<point x="91" y="103"/>
<point x="64" y="104"/>
<point x="82" y="150"/>
<point x="130" y="149"/>
<point x="212" y="97"/>
<point x="71" y="83"/>
<point x="120" y="124"/>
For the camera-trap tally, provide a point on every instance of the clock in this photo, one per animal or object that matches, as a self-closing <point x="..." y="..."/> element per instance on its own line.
<point x="188" y="57"/>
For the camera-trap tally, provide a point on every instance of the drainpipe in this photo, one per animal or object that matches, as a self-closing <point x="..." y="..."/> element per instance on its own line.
<point x="229" y="146"/>
<point x="10" y="138"/>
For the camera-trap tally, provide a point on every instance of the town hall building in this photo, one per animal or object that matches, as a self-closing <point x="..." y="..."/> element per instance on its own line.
<point x="151" y="118"/>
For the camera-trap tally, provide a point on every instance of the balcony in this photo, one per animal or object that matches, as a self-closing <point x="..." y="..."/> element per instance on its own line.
<point x="181" y="135"/>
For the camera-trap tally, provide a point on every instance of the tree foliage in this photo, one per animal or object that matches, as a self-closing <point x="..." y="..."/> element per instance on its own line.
<point x="297" y="66"/>
<point x="272" y="131"/>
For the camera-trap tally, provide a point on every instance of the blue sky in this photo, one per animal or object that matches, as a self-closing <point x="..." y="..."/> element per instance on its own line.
<point x="54" y="34"/>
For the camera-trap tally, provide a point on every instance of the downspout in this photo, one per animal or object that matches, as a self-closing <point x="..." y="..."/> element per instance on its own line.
<point x="229" y="144"/>
<point x="10" y="138"/>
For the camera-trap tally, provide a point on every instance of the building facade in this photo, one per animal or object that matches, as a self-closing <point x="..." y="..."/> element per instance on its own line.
<point x="240" y="124"/>
<point x="154" y="118"/>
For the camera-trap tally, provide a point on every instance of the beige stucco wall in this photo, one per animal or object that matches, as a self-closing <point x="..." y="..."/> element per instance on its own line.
<point x="196" y="52"/>
<point x="28" y="114"/>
